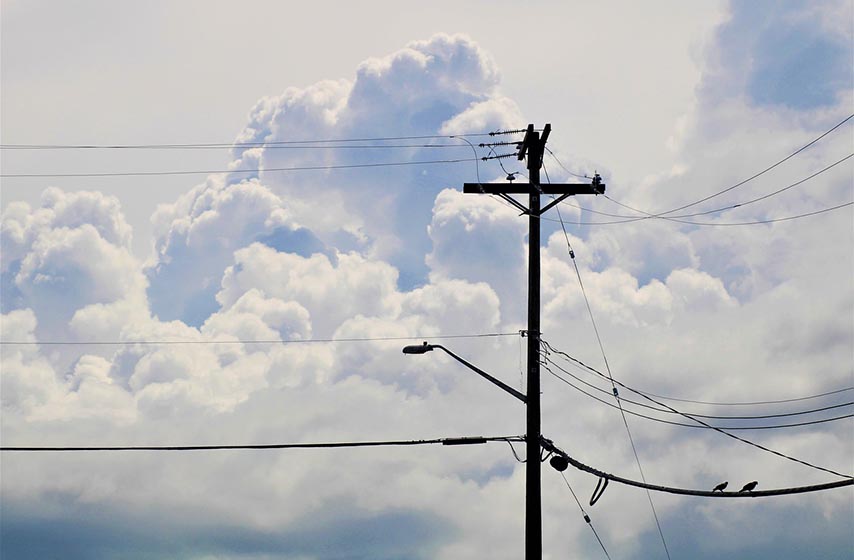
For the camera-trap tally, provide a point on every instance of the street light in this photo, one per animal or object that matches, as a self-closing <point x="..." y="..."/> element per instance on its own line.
<point x="424" y="348"/>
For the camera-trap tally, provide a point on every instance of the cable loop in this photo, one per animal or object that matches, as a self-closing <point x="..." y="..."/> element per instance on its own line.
<point x="600" y="489"/>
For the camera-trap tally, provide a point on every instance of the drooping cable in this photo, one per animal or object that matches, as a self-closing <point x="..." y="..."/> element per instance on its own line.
<point x="682" y="424"/>
<point x="727" y="189"/>
<point x="751" y="403"/>
<point x="703" y="493"/>
<point x="719" y="224"/>
<point x="712" y="416"/>
<point x="680" y="218"/>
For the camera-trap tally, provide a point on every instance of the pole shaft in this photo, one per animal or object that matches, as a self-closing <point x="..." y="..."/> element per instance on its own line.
<point x="533" y="505"/>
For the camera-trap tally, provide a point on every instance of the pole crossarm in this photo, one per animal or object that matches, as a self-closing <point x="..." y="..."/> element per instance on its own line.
<point x="568" y="189"/>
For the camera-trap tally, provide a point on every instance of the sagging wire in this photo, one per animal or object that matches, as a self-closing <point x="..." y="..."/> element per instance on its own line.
<point x="695" y="419"/>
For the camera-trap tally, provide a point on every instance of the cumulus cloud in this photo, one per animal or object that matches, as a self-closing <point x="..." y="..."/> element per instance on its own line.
<point x="198" y="234"/>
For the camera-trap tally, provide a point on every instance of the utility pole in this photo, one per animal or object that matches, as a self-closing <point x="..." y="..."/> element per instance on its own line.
<point x="533" y="146"/>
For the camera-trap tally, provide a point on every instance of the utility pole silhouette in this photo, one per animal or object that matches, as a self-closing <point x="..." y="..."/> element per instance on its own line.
<point x="533" y="146"/>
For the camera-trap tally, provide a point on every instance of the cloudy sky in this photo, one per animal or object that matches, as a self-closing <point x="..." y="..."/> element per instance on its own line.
<point x="744" y="297"/>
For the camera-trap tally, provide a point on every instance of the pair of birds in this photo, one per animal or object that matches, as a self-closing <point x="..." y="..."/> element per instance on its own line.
<point x="747" y="487"/>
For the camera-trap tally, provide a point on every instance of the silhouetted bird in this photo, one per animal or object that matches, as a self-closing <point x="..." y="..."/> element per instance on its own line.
<point x="749" y="486"/>
<point x="720" y="487"/>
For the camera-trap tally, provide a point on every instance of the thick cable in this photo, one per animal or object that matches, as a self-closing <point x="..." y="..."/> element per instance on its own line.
<point x="703" y="493"/>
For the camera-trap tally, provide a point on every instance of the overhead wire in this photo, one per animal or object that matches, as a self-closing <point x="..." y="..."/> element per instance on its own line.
<point x="245" y="341"/>
<point x="718" y="224"/>
<point x="682" y="424"/>
<point x="694" y="419"/>
<point x="665" y="214"/>
<point x="270" y="143"/>
<point x="760" y="173"/>
<point x="467" y="440"/>
<point x="586" y="517"/>
<point x="608" y="368"/>
<point x="235" y="171"/>
<point x="729" y="188"/>
<point x="679" y="217"/>
<point x="751" y="403"/>
<point x="713" y="416"/>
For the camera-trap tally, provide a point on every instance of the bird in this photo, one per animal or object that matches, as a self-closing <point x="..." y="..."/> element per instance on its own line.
<point x="720" y="487"/>
<point x="749" y="486"/>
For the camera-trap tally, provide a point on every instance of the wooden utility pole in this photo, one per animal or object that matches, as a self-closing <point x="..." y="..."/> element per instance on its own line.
<point x="533" y="146"/>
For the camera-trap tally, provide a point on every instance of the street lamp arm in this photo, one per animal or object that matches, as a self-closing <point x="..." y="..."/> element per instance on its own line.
<point x="477" y="370"/>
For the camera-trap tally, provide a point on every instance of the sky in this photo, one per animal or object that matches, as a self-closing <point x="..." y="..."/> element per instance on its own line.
<point x="744" y="296"/>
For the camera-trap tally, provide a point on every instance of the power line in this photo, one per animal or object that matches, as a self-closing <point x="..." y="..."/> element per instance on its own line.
<point x="271" y="341"/>
<point x="245" y="145"/>
<point x="586" y="517"/>
<point x="716" y="224"/>
<point x="727" y="189"/>
<point x="767" y="169"/>
<point x="704" y="493"/>
<point x="697" y="420"/>
<point x="744" y="403"/>
<point x="228" y="144"/>
<point x="678" y="218"/>
<point x="468" y="440"/>
<point x="714" y="416"/>
<point x="230" y="171"/>
<point x="682" y="424"/>
<point x="608" y="368"/>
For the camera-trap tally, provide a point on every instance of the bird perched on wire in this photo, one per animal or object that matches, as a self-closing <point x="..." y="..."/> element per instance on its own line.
<point x="749" y="487"/>
<point x="720" y="487"/>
